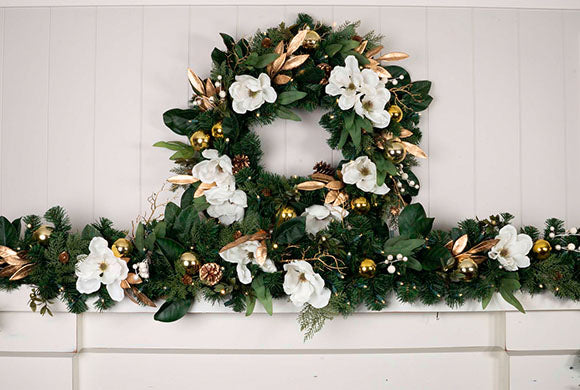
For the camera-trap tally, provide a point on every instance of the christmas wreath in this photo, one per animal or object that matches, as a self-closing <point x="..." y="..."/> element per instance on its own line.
<point x="346" y="236"/>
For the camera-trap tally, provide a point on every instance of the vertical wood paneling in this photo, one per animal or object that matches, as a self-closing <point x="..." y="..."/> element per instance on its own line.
<point x="72" y="110"/>
<point x="165" y="56"/>
<point x="404" y="30"/>
<point x="26" y="373"/>
<point x="306" y="140"/>
<point x="118" y="113"/>
<point x="250" y="19"/>
<point x="451" y="166"/>
<point x="571" y="36"/>
<point x="25" y="110"/>
<point x="542" y="116"/>
<point x="496" y="90"/>
<point x="1" y="96"/>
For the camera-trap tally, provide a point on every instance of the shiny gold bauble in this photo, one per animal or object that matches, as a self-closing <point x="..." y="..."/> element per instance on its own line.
<point x="199" y="140"/>
<point x="468" y="268"/>
<point x="395" y="151"/>
<point x="122" y="247"/>
<point x="311" y="40"/>
<point x="367" y="268"/>
<point x="286" y="214"/>
<point x="190" y="262"/>
<point x="217" y="131"/>
<point x="542" y="249"/>
<point x="42" y="234"/>
<point x="396" y="113"/>
<point x="361" y="205"/>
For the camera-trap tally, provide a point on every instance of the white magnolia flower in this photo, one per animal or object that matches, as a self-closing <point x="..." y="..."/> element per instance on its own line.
<point x="319" y="217"/>
<point x="244" y="254"/>
<point x="249" y="93"/>
<point x="215" y="169"/>
<point x="101" y="266"/>
<point x="226" y="204"/>
<point x="303" y="285"/>
<point x="345" y="81"/>
<point x="512" y="249"/>
<point x="371" y="103"/>
<point x="363" y="173"/>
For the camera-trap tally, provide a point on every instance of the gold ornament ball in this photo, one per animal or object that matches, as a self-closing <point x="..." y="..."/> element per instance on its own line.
<point x="395" y="152"/>
<point x="190" y="262"/>
<point x="542" y="249"/>
<point x="122" y="247"/>
<point x="396" y="113"/>
<point x="468" y="268"/>
<point x="199" y="140"/>
<point x="286" y="214"/>
<point x="361" y="205"/>
<point x="367" y="268"/>
<point x="217" y="131"/>
<point x="42" y="234"/>
<point x="311" y="40"/>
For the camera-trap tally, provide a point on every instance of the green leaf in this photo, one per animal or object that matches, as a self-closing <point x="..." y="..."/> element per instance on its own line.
<point x="250" y="304"/>
<point x="181" y="122"/>
<point x="362" y="60"/>
<point x="170" y="248"/>
<point x="172" y="145"/>
<point x="200" y="204"/>
<point x="285" y="113"/>
<point x="403" y="245"/>
<point x="173" y="309"/>
<point x="291" y="231"/>
<point x="17" y="223"/>
<point x="8" y="234"/>
<point x="506" y="289"/>
<point x="487" y="298"/>
<point x="183" y="154"/>
<point x="228" y="41"/>
<point x="139" y="238"/>
<point x="262" y="293"/>
<point x="414" y="264"/>
<point x="413" y="221"/>
<point x="265" y="60"/>
<point x="434" y="258"/>
<point x="187" y="197"/>
<point x="160" y="229"/>
<point x="218" y="56"/>
<point x="343" y="138"/>
<point x="171" y="212"/>
<point x="89" y="232"/>
<point x="332" y="49"/>
<point x="355" y="133"/>
<point x="348" y="45"/>
<point x="150" y="241"/>
<point x="184" y="222"/>
<point x="290" y="97"/>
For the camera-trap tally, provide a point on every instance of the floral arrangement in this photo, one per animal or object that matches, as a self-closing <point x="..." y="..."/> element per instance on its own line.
<point x="346" y="236"/>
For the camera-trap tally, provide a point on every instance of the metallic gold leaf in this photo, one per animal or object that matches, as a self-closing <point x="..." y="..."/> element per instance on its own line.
<point x="335" y="185"/>
<point x="16" y="260"/>
<point x="393" y="56"/>
<point x="6" y="252"/>
<point x="322" y="177"/>
<point x="133" y="278"/>
<point x="261" y="253"/>
<point x="331" y="196"/>
<point x="483" y="246"/>
<point x="143" y="298"/>
<point x="360" y="48"/>
<point x="296" y="42"/>
<point x="258" y="236"/>
<point x="374" y="51"/>
<point x="310" y="185"/>
<point x="125" y="284"/>
<point x="277" y="64"/>
<point x="459" y="245"/>
<point x="22" y="272"/>
<point x="8" y="271"/>
<point x="295" y="61"/>
<point x="341" y="199"/>
<point x="202" y="188"/>
<point x="183" y="179"/>
<point x="279" y="48"/>
<point x="209" y="88"/>
<point x="414" y="150"/>
<point x="195" y="82"/>
<point x="130" y="295"/>
<point x="282" y="79"/>
<point x="405" y="133"/>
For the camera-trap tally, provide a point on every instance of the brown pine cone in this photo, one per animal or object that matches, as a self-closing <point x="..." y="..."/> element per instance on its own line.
<point x="240" y="162"/>
<point x="210" y="274"/>
<point x="323" y="167"/>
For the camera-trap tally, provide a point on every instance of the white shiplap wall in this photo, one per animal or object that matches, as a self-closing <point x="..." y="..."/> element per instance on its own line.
<point x="82" y="93"/>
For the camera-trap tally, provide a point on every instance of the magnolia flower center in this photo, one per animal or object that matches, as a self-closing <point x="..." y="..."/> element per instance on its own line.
<point x="251" y="255"/>
<point x="302" y="278"/>
<point x="365" y="171"/>
<point x="368" y="105"/>
<point x="103" y="266"/>
<point x="253" y="93"/>
<point x="351" y="86"/>
<point x="504" y="252"/>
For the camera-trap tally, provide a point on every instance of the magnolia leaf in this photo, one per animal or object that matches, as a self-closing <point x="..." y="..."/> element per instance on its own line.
<point x="8" y="233"/>
<point x="265" y="59"/>
<point x="285" y="113"/>
<point x="173" y="309"/>
<point x="290" y="97"/>
<point x="262" y="293"/>
<point x="170" y="248"/>
<point x="250" y="304"/>
<point x="291" y="231"/>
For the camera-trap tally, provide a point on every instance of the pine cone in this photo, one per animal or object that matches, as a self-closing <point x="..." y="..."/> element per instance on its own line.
<point x="323" y="167"/>
<point x="240" y="162"/>
<point x="187" y="279"/>
<point x="327" y="69"/>
<point x="210" y="274"/>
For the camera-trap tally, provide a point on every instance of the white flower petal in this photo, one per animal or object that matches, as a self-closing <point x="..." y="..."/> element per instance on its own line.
<point x="116" y="291"/>
<point x="88" y="286"/>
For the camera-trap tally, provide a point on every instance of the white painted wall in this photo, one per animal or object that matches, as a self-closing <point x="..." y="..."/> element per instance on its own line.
<point x="82" y="93"/>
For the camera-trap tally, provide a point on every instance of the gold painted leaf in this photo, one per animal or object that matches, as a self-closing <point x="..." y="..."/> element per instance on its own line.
<point x="374" y="51"/>
<point x="183" y="179"/>
<point x="261" y="253"/>
<point x="22" y="272"/>
<point x="296" y="42"/>
<point x="405" y="133"/>
<point x="360" y="48"/>
<point x="125" y="284"/>
<point x="322" y="177"/>
<point x="279" y="48"/>
<point x="414" y="150"/>
<point x="209" y="88"/>
<point x="277" y="64"/>
<point x="16" y="260"/>
<point x="310" y="185"/>
<point x="331" y="196"/>
<point x="258" y="236"/>
<point x="130" y="296"/>
<point x="133" y="278"/>
<point x="195" y="82"/>
<point x="483" y="246"/>
<point x="459" y="245"/>
<point x="282" y="79"/>
<point x="143" y="298"/>
<point x="6" y="252"/>
<point x="382" y="72"/>
<point x="8" y="271"/>
<point x="341" y="199"/>
<point x="335" y="185"/>
<point x="202" y="188"/>
<point x="393" y="56"/>
<point x="295" y="61"/>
